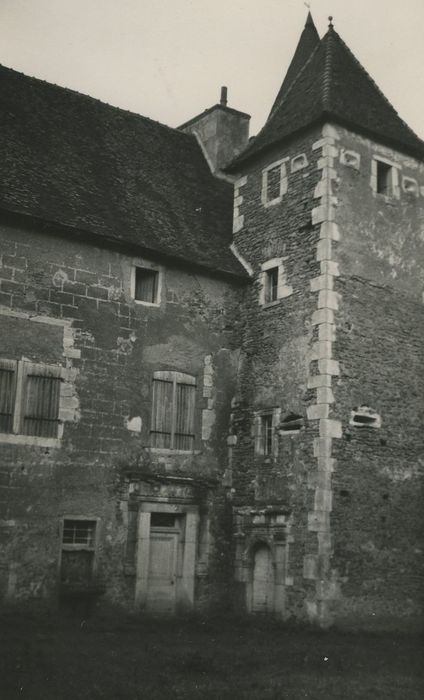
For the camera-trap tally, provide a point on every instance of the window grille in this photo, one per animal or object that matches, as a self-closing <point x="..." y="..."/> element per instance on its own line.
<point x="173" y="408"/>
<point x="29" y="398"/>
<point x="146" y="285"/>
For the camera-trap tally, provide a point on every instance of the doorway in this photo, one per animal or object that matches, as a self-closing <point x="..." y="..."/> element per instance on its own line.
<point x="263" y="581"/>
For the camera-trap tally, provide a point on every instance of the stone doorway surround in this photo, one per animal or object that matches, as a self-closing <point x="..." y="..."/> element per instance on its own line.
<point x="255" y="528"/>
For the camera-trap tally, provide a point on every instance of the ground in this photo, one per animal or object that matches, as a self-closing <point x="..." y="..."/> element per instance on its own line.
<point x="221" y="658"/>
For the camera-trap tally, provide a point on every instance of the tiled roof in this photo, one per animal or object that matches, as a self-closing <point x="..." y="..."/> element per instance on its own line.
<point x="72" y="160"/>
<point x="309" y="39"/>
<point x="332" y="84"/>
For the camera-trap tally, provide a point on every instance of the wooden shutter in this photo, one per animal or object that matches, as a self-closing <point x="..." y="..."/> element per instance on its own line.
<point x="184" y="419"/>
<point x="7" y="394"/>
<point x="162" y="411"/>
<point x="41" y="401"/>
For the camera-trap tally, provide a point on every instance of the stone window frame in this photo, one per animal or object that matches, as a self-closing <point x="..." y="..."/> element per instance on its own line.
<point x="298" y="162"/>
<point x="283" y="182"/>
<point x="92" y="547"/>
<point x="22" y="367"/>
<point x="258" y="421"/>
<point x="351" y="159"/>
<point x="410" y="185"/>
<point x="176" y="377"/>
<point x="283" y="290"/>
<point x="145" y="265"/>
<point x="394" y="174"/>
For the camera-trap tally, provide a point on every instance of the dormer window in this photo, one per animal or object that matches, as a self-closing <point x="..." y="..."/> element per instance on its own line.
<point x="274" y="182"/>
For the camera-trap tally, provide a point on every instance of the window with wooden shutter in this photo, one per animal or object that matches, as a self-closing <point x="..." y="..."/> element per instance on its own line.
<point x="29" y="398"/>
<point x="173" y="410"/>
<point x="7" y="394"/>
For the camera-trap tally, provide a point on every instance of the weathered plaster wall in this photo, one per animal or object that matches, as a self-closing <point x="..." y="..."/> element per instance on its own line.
<point x="377" y="520"/>
<point x="112" y="345"/>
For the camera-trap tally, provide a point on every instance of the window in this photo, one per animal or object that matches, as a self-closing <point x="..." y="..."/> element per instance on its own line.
<point x="365" y="417"/>
<point x="146" y="285"/>
<point x="78" y="551"/>
<point x="298" y="163"/>
<point x="410" y="186"/>
<point x="271" y="285"/>
<point x="273" y="282"/>
<point x="29" y="398"/>
<point x="274" y="182"/>
<point x="173" y="404"/>
<point x="292" y="423"/>
<point x="384" y="178"/>
<point x="265" y="435"/>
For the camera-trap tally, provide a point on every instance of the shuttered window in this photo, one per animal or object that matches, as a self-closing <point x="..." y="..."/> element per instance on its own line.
<point x="29" y="398"/>
<point x="173" y="405"/>
<point x="7" y="395"/>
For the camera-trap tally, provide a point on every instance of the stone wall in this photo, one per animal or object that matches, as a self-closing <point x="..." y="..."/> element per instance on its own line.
<point x="69" y="303"/>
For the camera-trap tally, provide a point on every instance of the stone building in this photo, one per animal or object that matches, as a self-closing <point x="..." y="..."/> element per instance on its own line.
<point x="211" y="365"/>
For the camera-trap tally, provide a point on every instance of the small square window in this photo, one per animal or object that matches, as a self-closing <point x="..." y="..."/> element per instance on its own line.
<point x="146" y="288"/>
<point x="384" y="178"/>
<point x="271" y="285"/>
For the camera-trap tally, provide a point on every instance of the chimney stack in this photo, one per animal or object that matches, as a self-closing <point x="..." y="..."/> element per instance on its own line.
<point x="222" y="131"/>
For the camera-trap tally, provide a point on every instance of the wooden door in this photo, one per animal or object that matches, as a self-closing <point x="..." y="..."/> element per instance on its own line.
<point x="162" y="572"/>
<point x="263" y="581"/>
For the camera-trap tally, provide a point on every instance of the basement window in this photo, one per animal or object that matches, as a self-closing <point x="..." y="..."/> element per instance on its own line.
<point x="365" y="417"/>
<point x="146" y="285"/>
<point x="29" y="398"/>
<point x="292" y="423"/>
<point x="78" y="551"/>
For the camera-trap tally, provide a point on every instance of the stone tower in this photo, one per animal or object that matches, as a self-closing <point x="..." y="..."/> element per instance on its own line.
<point x="326" y="437"/>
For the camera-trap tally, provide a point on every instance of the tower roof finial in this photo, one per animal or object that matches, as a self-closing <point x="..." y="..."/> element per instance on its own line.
<point x="331" y="25"/>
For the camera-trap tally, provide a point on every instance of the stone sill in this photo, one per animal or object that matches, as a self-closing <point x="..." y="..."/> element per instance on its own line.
<point x="169" y="451"/>
<point x="30" y="440"/>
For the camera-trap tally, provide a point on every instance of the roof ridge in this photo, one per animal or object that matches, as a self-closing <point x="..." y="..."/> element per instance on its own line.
<point x="328" y="65"/>
<point x="92" y="99"/>
<point x="332" y="32"/>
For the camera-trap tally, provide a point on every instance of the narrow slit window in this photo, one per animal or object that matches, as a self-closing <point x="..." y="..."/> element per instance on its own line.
<point x="146" y="285"/>
<point x="273" y="183"/>
<point x="173" y="411"/>
<point x="365" y="417"/>
<point x="292" y="423"/>
<point x="267" y="434"/>
<point x="271" y="285"/>
<point x="264" y="433"/>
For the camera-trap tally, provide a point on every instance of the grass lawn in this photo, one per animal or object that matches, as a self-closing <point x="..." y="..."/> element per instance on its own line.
<point x="128" y="659"/>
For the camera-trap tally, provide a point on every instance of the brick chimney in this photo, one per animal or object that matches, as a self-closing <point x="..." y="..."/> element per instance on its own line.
<point x="222" y="131"/>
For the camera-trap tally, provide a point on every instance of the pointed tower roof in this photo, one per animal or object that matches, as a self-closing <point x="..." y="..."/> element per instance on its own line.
<point x="332" y="85"/>
<point x="309" y="39"/>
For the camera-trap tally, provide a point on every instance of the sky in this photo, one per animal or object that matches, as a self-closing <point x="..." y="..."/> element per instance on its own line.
<point x="167" y="59"/>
